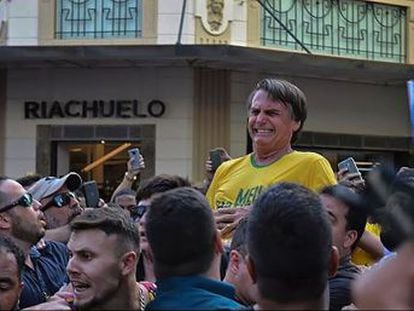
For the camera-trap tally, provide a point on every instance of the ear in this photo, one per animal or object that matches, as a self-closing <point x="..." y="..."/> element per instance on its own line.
<point x="251" y="268"/>
<point x="234" y="261"/>
<point x="296" y="125"/>
<point x="333" y="261"/>
<point x="128" y="263"/>
<point x="350" y="238"/>
<point x="5" y="221"/>
<point x="218" y="244"/>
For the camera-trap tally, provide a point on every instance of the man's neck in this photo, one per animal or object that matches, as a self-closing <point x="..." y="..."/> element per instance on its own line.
<point x="345" y="258"/>
<point x="214" y="271"/>
<point x="126" y="297"/>
<point x="264" y="156"/>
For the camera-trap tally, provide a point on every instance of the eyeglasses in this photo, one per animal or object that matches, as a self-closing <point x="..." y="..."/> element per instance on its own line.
<point x="138" y="211"/>
<point x="26" y="200"/>
<point x="59" y="200"/>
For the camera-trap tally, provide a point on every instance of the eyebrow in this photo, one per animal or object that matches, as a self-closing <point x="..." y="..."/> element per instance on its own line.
<point x="266" y="109"/>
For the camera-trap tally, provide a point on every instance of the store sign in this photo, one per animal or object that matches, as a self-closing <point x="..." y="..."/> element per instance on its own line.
<point x="93" y="109"/>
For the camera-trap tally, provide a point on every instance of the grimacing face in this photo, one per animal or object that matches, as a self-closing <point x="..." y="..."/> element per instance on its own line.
<point x="94" y="267"/>
<point x="10" y="285"/>
<point x="270" y="123"/>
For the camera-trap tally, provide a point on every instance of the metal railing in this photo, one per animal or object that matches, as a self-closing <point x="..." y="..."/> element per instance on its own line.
<point x="98" y="19"/>
<point x="348" y="28"/>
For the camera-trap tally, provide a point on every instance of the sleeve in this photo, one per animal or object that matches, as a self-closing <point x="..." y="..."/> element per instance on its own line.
<point x="215" y="183"/>
<point x="339" y="294"/>
<point x="322" y="175"/>
<point x="211" y="192"/>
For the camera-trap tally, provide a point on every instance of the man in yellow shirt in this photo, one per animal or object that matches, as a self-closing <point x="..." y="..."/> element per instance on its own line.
<point x="276" y="114"/>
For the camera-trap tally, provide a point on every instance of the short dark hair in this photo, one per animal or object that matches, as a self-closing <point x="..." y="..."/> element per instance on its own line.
<point x="239" y="240"/>
<point x="7" y="245"/>
<point x="126" y="191"/>
<point x="159" y="184"/>
<point x="356" y="218"/>
<point x="288" y="94"/>
<point x="181" y="231"/>
<point x="110" y="221"/>
<point x="289" y="242"/>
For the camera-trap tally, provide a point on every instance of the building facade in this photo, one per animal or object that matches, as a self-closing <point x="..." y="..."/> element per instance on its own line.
<point x="83" y="79"/>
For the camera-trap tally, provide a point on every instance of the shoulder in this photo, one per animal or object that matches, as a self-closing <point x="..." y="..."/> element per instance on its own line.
<point x="231" y="166"/>
<point x="56" y="250"/>
<point x="307" y="155"/>
<point x="243" y="160"/>
<point x="147" y="292"/>
<point x="54" y="247"/>
<point x="148" y="289"/>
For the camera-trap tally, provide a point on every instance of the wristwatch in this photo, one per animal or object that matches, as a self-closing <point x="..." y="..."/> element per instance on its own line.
<point x="129" y="177"/>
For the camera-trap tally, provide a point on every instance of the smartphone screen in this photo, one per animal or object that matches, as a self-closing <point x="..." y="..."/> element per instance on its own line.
<point x="349" y="165"/>
<point x="134" y="155"/>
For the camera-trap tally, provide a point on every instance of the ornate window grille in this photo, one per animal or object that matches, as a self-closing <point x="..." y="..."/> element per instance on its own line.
<point x="98" y="19"/>
<point x="348" y="28"/>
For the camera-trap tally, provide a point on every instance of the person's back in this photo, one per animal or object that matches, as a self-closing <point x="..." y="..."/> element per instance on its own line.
<point x="186" y="247"/>
<point x="290" y="249"/>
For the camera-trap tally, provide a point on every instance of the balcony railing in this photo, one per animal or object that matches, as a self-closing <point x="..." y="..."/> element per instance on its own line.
<point x="98" y="19"/>
<point x="347" y="28"/>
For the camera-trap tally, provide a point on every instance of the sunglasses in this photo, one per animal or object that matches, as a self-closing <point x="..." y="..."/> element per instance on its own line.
<point x="26" y="200"/>
<point x="138" y="211"/>
<point x="59" y="200"/>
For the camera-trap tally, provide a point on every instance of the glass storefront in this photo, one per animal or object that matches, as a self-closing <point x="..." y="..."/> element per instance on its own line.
<point x="102" y="161"/>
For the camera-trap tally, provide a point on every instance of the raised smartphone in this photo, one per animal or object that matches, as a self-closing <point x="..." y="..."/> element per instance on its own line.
<point x="215" y="158"/>
<point x="91" y="192"/>
<point x="134" y="155"/>
<point x="349" y="165"/>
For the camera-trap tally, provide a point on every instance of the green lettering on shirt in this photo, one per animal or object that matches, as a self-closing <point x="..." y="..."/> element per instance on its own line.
<point x="248" y="196"/>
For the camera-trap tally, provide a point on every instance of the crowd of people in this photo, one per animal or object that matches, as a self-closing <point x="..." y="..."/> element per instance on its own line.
<point x="274" y="229"/>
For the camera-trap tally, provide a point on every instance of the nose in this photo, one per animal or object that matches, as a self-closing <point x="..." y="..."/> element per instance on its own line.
<point x="74" y="203"/>
<point x="261" y="117"/>
<point x="143" y="220"/>
<point x="72" y="267"/>
<point x="36" y="205"/>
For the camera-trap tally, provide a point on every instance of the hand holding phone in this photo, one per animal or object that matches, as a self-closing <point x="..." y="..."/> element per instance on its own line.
<point x="91" y="192"/>
<point x="215" y="158"/>
<point x="348" y="165"/>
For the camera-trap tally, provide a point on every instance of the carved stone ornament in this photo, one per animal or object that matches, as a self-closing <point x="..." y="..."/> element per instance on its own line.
<point x="215" y="15"/>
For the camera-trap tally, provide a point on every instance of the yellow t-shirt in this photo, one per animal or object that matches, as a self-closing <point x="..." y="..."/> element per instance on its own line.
<point x="361" y="257"/>
<point x="239" y="182"/>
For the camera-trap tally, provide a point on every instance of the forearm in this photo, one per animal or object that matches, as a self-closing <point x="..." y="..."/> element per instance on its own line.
<point x="372" y="245"/>
<point x="126" y="183"/>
